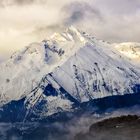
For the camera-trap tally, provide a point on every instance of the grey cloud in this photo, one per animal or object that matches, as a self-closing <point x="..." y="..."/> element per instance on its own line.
<point x="118" y="6"/>
<point x="24" y="1"/>
<point x="82" y="123"/>
<point x="78" y="11"/>
<point x="4" y="3"/>
<point x="110" y="20"/>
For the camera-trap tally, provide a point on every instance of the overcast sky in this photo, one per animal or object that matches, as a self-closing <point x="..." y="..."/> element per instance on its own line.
<point x="26" y="21"/>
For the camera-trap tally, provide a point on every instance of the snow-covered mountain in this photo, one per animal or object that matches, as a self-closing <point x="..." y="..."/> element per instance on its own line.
<point x="131" y="50"/>
<point x="64" y="70"/>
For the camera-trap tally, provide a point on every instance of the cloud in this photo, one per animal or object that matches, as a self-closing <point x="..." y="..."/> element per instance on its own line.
<point x="5" y="3"/>
<point x="120" y="20"/>
<point x="82" y="123"/>
<point x="118" y="7"/>
<point x="62" y="130"/>
<point x="78" y="12"/>
<point x="25" y="21"/>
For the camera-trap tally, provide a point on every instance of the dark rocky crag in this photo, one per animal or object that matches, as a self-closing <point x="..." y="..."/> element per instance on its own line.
<point x="118" y="128"/>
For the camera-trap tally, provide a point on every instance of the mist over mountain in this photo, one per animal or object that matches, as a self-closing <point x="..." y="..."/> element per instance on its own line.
<point x="124" y="127"/>
<point x="109" y="20"/>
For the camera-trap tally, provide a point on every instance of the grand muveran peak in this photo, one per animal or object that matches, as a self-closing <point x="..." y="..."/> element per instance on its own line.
<point x="64" y="71"/>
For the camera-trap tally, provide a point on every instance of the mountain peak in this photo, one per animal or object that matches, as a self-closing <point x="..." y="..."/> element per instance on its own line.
<point x="36" y="60"/>
<point x="67" y="68"/>
<point x="53" y="46"/>
<point x="70" y="34"/>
